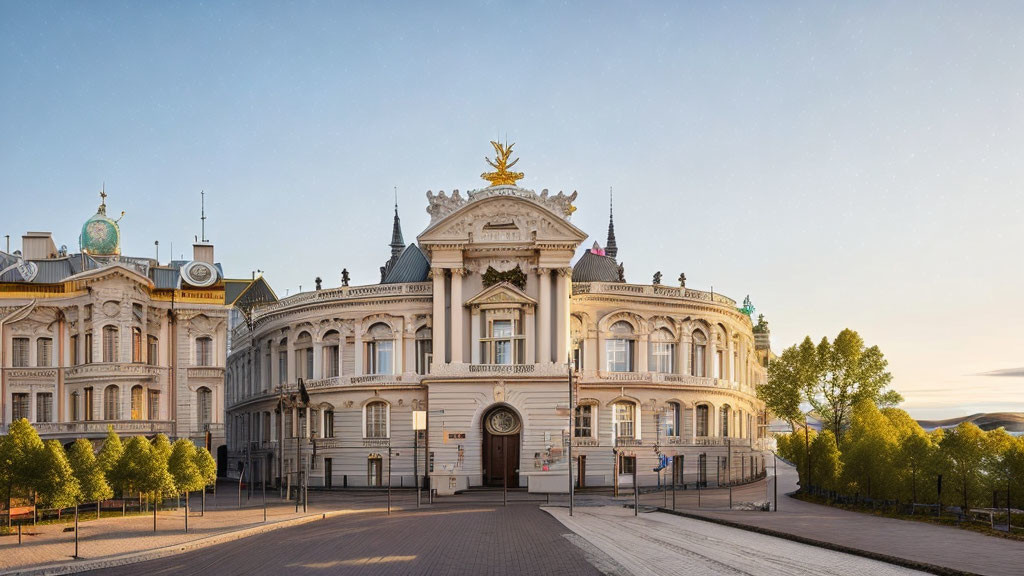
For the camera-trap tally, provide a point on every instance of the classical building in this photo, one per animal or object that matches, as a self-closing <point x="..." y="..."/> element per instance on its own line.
<point x="474" y="325"/>
<point x="97" y="339"/>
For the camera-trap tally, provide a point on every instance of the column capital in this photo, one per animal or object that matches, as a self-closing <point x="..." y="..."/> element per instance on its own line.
<point x="458" y="271"/>
<point x="436" y="272"/>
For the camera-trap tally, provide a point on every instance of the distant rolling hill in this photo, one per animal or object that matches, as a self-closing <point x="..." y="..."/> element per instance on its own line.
<point x="1012" y="421"/>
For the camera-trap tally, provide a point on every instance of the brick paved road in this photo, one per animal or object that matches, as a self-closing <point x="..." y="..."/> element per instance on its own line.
<point x="456" y="538"/>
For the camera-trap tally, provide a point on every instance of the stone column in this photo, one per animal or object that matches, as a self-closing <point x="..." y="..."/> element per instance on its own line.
<point x="457" y="310"/>
<point x="290" y="358"/>
<point x="544" y="316"/>
<point x="341" y="352"/>
<point x="474" y="337"/>
<point x="318" y="360"/>
<point x="729" y="366"/>
<point x="274" y="359"/>
<point x="601" y="357"/>
<point x="643" y="342"/>
<point x="357" y="370"/>
<point x="710" y="356"/>
<point x="562" y="316"/>
<point x="530" y="331"/>
<point x="589" y="351"/>
<point x="438" y="319"/>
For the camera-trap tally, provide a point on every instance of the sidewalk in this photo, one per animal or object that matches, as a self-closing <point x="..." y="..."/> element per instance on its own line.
<point x="48" y="547"/>
<point x="917" y="542"/>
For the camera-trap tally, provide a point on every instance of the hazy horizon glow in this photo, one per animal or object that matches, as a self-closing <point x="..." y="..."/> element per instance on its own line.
<point x="847" y="165"/>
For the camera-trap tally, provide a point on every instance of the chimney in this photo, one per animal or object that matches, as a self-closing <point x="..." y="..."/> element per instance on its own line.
<point x="203" y="252"/>
<point x="38" y="246"/>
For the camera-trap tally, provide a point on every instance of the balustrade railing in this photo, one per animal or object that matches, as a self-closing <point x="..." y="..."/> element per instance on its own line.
<point x="650" y="290"/>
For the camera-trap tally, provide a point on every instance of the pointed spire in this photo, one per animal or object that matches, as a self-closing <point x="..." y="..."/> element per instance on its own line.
<point x="610" y="248"/>
<point x="397" y="241"/>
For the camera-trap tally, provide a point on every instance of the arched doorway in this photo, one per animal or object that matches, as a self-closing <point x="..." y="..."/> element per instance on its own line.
<point x="501" y="447"/>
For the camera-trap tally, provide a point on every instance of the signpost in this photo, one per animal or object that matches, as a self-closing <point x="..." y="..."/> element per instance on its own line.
<point x="419" y="422"/>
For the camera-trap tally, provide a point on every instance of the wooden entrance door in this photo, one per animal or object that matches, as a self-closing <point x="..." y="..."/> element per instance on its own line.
<point x="501" y="459"/>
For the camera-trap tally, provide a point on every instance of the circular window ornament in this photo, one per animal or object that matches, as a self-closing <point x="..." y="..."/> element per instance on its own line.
<point x="199" y="274"/>
<point x="502" y="422"/>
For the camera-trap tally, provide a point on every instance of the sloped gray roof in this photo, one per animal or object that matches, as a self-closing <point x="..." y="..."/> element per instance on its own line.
<point x="411" y="266"/>
<point x="165" y="278"/>
<point x="56" y="270"/>
<point x="595" y="268"/>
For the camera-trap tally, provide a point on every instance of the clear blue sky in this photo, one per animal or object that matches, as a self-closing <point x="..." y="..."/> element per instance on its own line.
<point x="847" y="165"/>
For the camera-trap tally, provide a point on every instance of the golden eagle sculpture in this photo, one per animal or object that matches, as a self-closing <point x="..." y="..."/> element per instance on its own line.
<point x="502" y="176"/>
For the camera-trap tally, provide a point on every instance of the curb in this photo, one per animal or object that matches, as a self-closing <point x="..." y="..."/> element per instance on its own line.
<point x="895" y="560"/>
<point x="156" y="553"/>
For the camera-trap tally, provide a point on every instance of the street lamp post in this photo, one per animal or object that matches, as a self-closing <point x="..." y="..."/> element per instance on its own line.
<point x="572" y="432"/>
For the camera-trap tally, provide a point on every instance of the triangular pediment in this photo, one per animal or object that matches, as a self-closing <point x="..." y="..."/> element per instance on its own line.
<point x="503" y="293"/>
<point x="512" y="219"/>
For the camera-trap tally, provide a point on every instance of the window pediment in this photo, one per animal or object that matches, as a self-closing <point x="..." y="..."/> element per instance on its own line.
<point x="501" y="295"/>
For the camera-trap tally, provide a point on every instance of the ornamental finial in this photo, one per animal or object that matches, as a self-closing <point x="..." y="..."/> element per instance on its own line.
<point x="502" y="177"/>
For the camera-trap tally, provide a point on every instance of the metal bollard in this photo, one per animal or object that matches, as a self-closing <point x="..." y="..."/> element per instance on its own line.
<point x="19" y="534"/>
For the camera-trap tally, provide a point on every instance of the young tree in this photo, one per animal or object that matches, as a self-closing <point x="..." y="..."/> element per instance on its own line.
<point x="89" y="473"/>
<point x="131" y="473"/>
<point x="963" y="450"/>
<point x="56" y="484"/>
<point x="788" y="376"/>
<point x="915" y="453"/>
<point x="825" y="461"/>
<point x="995" y="465"/>
<point x="868" y="451"/>
<point x="182" y="466"/>
<point x="161" y="476"/>
<point x="847" y="374"/>
<point x="21" y="459"/>
<point x="207" y="470"/>
<point x="111" y="450"/>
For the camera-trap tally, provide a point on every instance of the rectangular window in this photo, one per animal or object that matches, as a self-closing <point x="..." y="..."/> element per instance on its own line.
<point x="136" y="345"/>
<point x="697" y="368"/>
<point x="584" y="422"/>
<point x="672" y="420"/>
<point x="377" y="420"/>
<point x="702" y="420"/>
<point x="74" y="350"/>
<point x="309" y="363"/>
<point x="282" y="367"/>
<point x="627" y="464"/>
<point x="44" y="407"/>
<point x="110" y="353"/>
<point x="424" y="348"/>
<point x="154" y="405"/>
<point x="328" y="423"/>
<point x="19" y="405"/>
<point x="87" y="404"/>
<point x="19" y="353"/>
<point x="501" y="333"/>
<point x="663" y="357"/>
<point x="719" y="364"/>
<point x="152" y="352"/>
<point x="204" y="352"/>
<point x="44" y="352"/>
<point x="76" y="413"/>
<point x="331" y="362"/>
<point x="625" y="416"/>
<point x="88" y="347"/>
<point x="379" y="357"/>
<point x="619" y="355"/>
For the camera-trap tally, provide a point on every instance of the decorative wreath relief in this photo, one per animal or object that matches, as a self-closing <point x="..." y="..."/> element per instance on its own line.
<point x="502" y="422"/>
<point x="515" y="277"/>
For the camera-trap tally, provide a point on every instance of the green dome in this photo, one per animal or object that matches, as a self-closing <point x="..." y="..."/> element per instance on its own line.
<point x="100" y="235"/>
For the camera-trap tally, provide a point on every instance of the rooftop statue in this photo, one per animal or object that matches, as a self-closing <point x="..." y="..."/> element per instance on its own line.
<point x="501" y="163"/>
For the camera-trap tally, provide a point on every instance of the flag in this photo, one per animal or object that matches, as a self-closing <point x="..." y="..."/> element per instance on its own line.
<point x="303" y="392"/>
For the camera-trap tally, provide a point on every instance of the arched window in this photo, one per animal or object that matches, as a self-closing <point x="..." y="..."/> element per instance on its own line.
<point x="424" y="350"/>
<point x="110" y="339"/>
<point x="137" y="398"/>
<point x="304" y="356"/>
<point x="331" y="359"/>
<point x="136" y="345"/>
<point x="672" y="419"/>
<point x="152" y="350"/>
<point x="380" y="349"/>
<point x="697" y="354"/>
<point x="625" y="419"/>
<point x="111" y="403"/>
<point x="724" y="417"/>
<point x="702" y="420"/>
<point x="75" y="410"/>
<point x="376" y="416"/>
<point x="619" y="348"/>
<point x="204" y="406"/>
<point x="204" y="351"/>
<point x="662" y="357"/>
<point x="584" y="421"/>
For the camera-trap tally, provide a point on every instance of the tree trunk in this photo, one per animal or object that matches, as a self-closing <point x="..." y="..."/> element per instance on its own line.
<point x="97" y="509"/>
